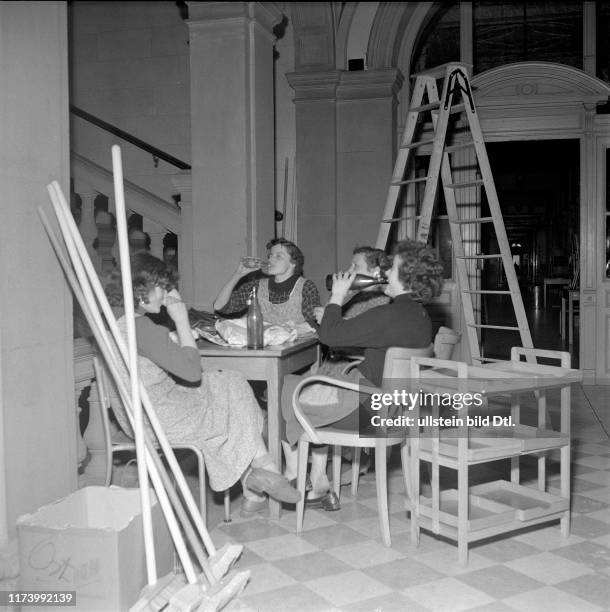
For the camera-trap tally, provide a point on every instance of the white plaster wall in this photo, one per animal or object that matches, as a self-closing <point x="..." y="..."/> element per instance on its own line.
<point x="129" y="65"/>
<point x="37" y="384"/>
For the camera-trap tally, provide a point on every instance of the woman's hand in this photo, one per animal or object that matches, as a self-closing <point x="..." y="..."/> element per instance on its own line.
<point x="176" y="309"/>
<point x="342" y="281"/>
<point x="175" y="306"/>
<point x="318" y="313"/>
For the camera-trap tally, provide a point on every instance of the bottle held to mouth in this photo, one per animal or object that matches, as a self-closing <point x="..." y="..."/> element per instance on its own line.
<point x="361" y="281"/>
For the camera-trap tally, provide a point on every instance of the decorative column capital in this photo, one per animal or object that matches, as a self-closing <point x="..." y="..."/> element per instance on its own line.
<point x="210" y="15"/>
<point x="314" y="85"/>
<point x="368" y="84"/>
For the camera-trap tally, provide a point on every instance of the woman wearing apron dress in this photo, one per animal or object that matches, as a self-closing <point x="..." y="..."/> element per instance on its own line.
<point x="284" y="294"/>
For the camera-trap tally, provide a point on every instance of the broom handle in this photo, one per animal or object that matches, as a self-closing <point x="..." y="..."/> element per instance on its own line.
<point x="150" y="412"/>
<point x="153" y="456"/>
<point x="134" y="377"/>
<point x="97" y="327"/>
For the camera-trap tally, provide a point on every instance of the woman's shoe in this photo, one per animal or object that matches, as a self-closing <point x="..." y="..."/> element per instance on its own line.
<point x="252" y="506"/>
<point x="346" y="471"/>
<point x="329" y="502"/>
<point x="273" y="484"/>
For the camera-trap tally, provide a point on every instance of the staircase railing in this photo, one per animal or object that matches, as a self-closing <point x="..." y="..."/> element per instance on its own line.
<point x="156" y="153"/>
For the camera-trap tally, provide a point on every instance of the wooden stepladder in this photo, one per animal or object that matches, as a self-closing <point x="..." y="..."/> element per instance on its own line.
<point x="437" y="128"/>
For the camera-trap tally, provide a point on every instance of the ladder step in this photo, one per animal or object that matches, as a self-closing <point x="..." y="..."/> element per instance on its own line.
<point x="458" y="146"/>
<point x="474" y="220"/>
<point x="420" y="179"/>
<point x="440" y="71"/>
<point x="417" y="143"/>
<point x="425" y="107"/>
<point x="480" y="256"/>
<point x="482" y="326"/>
<point x="400" y="219"/>
<point x="487" y="291"/>
<point x="465" y="184"/>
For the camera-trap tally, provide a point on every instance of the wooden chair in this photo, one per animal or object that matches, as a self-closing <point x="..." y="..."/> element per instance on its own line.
<point x="441" y="348"/>
<point x="396" y="365"/>
<point x="120" y="442"/>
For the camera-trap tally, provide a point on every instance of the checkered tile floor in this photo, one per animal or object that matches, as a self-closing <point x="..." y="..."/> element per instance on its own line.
<point x="339" y="562"/>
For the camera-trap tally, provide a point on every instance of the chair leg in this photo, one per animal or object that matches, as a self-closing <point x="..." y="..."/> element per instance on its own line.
<point x="381" y="480"/>
<point x="303" y="453"/>
<point x="355" y="470"/>
<point x="406" y="475"/>
<point x="227" y="500"/>
<point x="337" y="470"/>
<point x="202" y="488"/>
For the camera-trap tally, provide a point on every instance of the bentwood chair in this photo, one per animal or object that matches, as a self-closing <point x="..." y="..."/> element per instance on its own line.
<point x="119" y="441"/>
<point x="442" y="348"/>
<point x="396" y="365"/>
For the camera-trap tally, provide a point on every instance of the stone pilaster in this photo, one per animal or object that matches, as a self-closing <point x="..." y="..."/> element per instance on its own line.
<point x="231" y="67"/>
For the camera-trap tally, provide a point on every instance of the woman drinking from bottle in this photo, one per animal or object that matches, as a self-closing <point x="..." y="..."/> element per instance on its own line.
<point x="283" y="293"/>
<point x="414" y="279"/>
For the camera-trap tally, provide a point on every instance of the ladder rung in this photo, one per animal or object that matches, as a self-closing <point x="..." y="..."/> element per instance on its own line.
<point x="440" y="71"/>
<point x="487" y="291"/>
<point x="482" y="326"/>
<point x="474" y="220"/>
<point x="480" y="256"/>
<point x="465" y="184"/>
<point x="420" y="179"/>
<point x="425" y="107"/>
<point x="400" y="219"/>
<point x="457" y="108"/>
<point x="417" y="143"/>
<point x="459" y="145"/>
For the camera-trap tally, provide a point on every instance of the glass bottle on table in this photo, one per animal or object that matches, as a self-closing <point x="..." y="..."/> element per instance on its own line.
<point x="254" y="322"/>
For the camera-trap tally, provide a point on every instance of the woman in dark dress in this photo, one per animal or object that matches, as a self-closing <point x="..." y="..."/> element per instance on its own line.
<point x="414" y="279"/>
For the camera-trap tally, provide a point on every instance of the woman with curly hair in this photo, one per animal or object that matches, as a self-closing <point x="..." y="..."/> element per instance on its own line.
<point x="414" y="279"/>
<point x="214" y="410"/>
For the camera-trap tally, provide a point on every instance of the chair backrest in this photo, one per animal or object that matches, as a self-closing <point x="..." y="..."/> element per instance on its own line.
<point x="397" y="362"/>
<point x="444" y="342"/>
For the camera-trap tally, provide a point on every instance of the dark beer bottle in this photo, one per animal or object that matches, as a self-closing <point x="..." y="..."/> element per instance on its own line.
<point x="254" y="322"/>
<point x="361" y="281"/>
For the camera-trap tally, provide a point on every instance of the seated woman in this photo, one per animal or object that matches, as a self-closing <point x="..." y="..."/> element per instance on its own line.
<point x="414" y="279"/>
<point x="371" y="262"/>
<point x="214" y="410"/>
<point x="287" y="296"/>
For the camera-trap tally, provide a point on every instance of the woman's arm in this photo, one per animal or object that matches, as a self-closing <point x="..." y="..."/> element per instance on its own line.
<point x="155" y="344"/>
<point x="310" y="301"/>
<point x="224" y="295"/>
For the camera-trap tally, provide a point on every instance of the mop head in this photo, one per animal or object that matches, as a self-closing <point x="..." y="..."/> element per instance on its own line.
<point x="173" y="594"/>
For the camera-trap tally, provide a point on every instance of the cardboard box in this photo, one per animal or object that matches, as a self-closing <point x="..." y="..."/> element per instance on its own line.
<point x="91" y="542"/>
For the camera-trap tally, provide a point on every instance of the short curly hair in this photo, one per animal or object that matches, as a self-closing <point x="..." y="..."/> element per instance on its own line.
<point x="420" y="270"/>
<point x="147" y="271"/>
<point x="296" y="255"/>
<point x="374" y="257"/>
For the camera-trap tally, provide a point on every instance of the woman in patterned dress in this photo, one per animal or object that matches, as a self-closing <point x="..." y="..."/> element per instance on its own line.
<point x="214" y="410"/>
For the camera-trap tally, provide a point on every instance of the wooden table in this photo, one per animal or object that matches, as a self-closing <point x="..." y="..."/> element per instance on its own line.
<point x="270" y="364"/>
<point x="554" y="281"/>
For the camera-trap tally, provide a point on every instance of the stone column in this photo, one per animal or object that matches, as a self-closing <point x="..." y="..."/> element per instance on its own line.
<point x="183" y="182"/>
<point x="316" y="169"/>
<point x="231" y="66"/>
<point x="366" y="147"/>
<point x="36" y="380"/>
